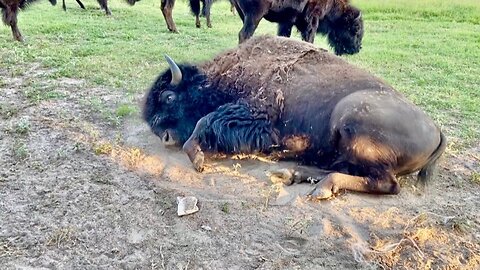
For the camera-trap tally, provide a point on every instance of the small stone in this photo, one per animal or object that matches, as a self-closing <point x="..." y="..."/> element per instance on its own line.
<point x="206" y="227"/>
<point x="186" y="205"/>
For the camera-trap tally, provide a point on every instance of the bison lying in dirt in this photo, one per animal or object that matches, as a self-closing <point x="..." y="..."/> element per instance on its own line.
<point x="275" y="94"/>
<point x="341" y="22"/>
<point x="10" y="10"/>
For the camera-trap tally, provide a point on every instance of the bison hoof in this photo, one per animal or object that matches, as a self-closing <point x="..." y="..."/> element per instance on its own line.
<point x="198" y="161"/>
<point x="285" y="176"/>
<point x="323" y="190"/>
<point x="195" y="154"/>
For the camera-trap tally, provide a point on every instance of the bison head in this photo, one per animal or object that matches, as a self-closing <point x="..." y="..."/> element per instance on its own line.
<point x="175" y="102"/>
<point x="345" y="33"/>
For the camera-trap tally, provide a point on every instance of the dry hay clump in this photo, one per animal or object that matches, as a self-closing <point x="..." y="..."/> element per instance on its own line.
<point x="428" y="241"/>
<point x="263" y="68"/>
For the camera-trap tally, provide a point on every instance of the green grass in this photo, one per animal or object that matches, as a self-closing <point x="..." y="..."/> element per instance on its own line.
<point x="429" y="50"/>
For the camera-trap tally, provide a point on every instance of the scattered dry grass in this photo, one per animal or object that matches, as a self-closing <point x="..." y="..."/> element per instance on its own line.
<point x="63" y="237"/>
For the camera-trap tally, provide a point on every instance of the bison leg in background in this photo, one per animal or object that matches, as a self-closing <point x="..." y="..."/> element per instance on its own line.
<point x="207" y="5"/>
<point x="285" y="29"/>
<point x="167" y="8"/>
<point x="10" y="18"/>
<point x="79" y="3"/>
<point x="250" y="24"/>
<point x="232" y="128"/>
<point x="308" y="29"/>
<point x="64" y="7"/>
<point x="103" y="5"/>
<point x="251" y="13"/>
<point x="195" y="8"/>
<point x="239" y="10"/>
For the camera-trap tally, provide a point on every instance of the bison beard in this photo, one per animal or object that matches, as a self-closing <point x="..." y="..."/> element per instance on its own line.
<point x="281" y="95"/>
<point x="10" y="10"/>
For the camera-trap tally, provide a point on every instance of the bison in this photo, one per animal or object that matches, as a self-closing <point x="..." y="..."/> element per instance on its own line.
<point x="341" y="22"/>
<point x="103" y="5"/>
<point x="347" y="128"/>
<point x="10" y="10"/>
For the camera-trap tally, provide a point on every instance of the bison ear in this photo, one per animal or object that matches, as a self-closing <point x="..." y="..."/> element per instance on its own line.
<point x="175" y="70"/>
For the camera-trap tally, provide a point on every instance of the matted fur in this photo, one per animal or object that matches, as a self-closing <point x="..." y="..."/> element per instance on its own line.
<point x="258" y="65"/>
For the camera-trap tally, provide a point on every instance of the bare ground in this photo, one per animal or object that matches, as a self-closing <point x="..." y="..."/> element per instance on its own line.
<point x="78" y="191"/>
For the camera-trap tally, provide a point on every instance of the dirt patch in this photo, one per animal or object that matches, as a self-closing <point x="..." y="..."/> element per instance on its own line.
<point x="79" y="191"/>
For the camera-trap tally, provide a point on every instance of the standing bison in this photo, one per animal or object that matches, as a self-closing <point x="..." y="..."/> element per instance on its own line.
<point x="10" y="10"/>
<point x="275" y="94"/>
<point x="341" y="22"/>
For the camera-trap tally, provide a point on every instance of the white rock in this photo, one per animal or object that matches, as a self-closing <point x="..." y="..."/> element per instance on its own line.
<point x="206" y="227"/>
<point x="186" y="205"/>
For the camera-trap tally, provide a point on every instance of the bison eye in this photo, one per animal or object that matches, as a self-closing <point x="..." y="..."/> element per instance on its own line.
<point x="168" y="97"/>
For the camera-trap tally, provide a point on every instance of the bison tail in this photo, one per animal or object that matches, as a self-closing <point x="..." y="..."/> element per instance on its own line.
<point x="195" y="7"/>
<point x="428" y="170"/>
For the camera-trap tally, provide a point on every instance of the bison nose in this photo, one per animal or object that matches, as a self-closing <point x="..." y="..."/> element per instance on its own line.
<point x="167" y="139"/>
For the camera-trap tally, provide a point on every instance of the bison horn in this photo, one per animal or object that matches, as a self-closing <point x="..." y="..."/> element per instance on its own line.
<point x="359" y="16"/>
<point x="175" y="70"/>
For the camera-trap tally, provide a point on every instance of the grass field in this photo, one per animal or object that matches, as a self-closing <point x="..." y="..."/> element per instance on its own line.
<point x="430" y="50"/>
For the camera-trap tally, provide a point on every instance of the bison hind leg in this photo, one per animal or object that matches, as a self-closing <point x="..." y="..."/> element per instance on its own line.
<point x="297" y="175"/>
<point x="333" y="183"/>
<point x="329" y="183"/>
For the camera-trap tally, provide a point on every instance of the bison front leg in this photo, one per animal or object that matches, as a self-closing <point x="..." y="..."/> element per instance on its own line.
<point x="250" y="24"/>
<point x="104" y="5"/>
<point x="10" y="18"/>
<point x="167" y="10"/>
<point x="232" y="128"/>
<point x="308" y="34"/>
<point x="192" y="146"/>
<point x="285" y="29"/>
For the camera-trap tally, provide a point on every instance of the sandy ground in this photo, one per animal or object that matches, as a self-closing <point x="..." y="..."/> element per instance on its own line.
<point x="77" y="192"/>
